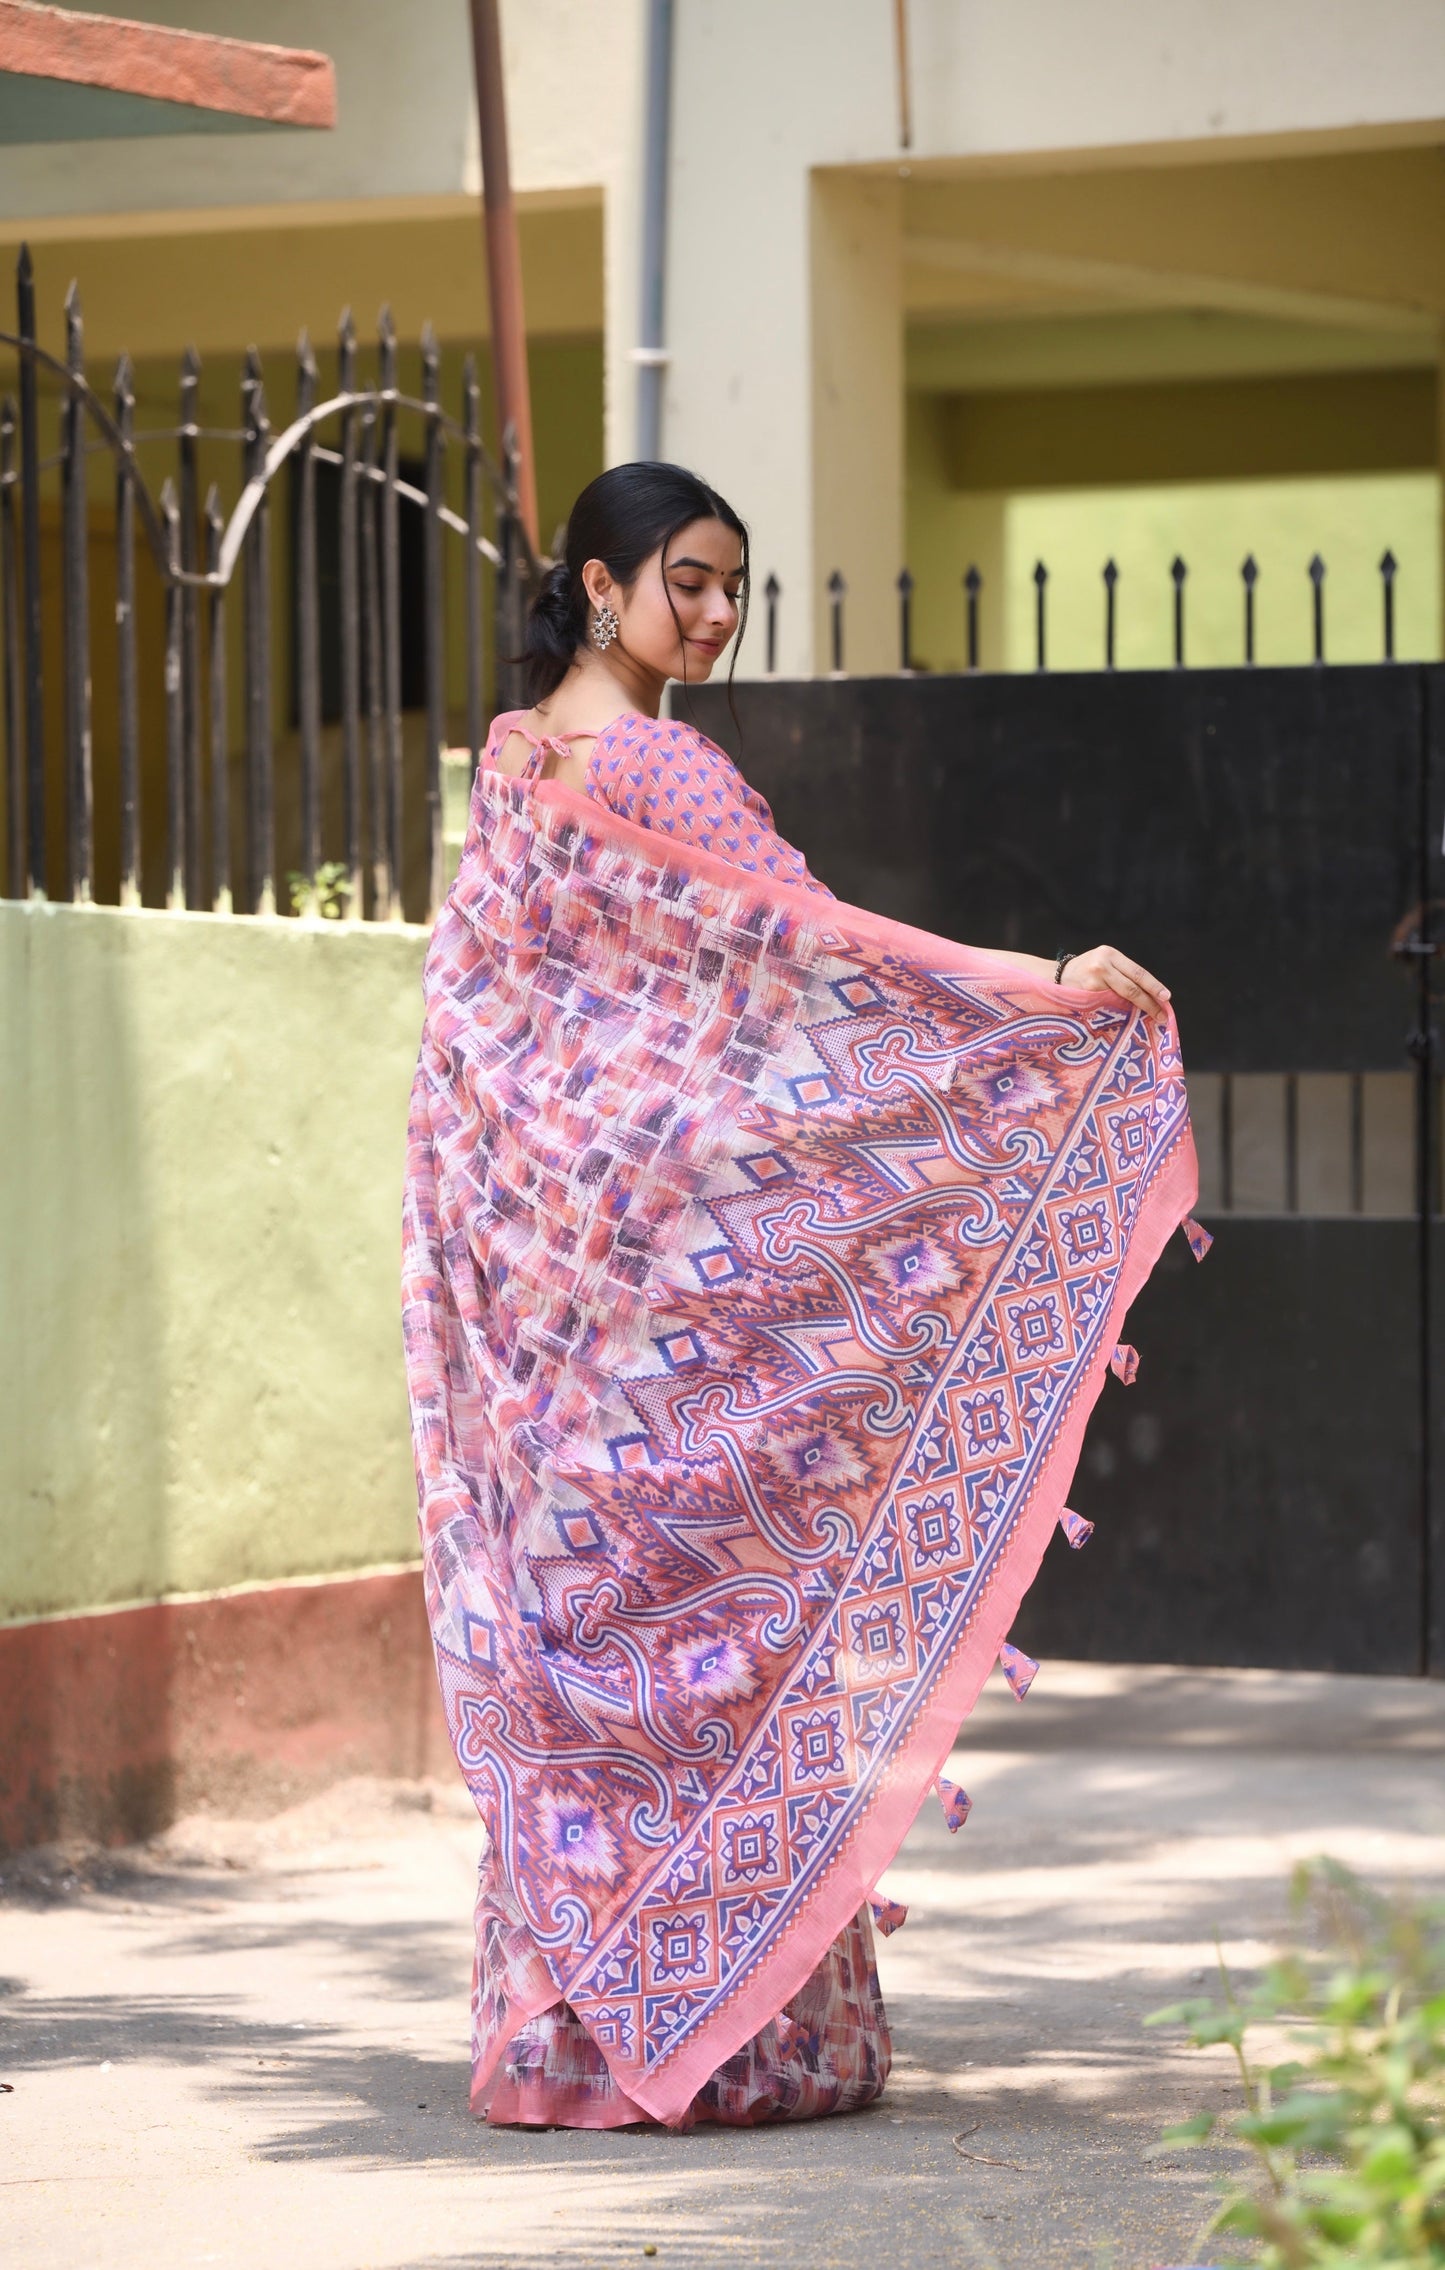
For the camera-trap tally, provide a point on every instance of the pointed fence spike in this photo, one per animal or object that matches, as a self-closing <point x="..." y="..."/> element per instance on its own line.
<point x="836" y="588"/>
<point x="972" y="585"/>
<point x="1041" y="577"/>
<point x="1179" y="572"/>
<point x="772" y="592"/>
<point x="1317" y="580"/>
<point x="905" y="621"/>
<point x="1389" y="568"/>
<point x="1249" y="572"/>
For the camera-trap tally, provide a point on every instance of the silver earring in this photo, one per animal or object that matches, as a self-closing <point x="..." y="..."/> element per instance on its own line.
<point x="605" y="627"/>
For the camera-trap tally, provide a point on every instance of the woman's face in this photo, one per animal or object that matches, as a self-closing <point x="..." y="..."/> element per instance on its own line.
<point x="702" y="579"/>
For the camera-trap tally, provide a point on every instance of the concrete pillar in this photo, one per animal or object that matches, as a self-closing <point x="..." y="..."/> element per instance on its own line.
<point x="783" y="303"/>
<point x="857" y="407"/>
<point x="736" y="404"/>
<point x="786" y="392"/>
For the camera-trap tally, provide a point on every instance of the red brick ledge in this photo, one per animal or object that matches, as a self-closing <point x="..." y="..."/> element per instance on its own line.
<point x="287" y="86"/>
<point x="112" y="1723"/>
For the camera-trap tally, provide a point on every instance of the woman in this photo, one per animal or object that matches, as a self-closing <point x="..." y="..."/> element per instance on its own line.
<point x="763" y="1261"/>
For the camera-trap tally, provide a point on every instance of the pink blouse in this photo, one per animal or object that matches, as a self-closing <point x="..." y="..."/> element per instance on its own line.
<point x="663" y="774"/>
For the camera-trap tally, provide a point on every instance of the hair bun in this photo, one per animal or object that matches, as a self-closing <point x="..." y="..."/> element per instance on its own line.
<point x="556" y="627"/>
<point x="553" y="598"/>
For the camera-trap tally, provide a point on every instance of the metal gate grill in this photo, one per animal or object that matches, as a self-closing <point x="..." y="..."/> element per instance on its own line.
<point x="1272" y="1491"/>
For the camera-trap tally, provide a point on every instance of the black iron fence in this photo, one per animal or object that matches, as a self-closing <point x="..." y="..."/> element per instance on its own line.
<point x="972" y="588"/>
<point x="361" y="512"/>
<point x="302" y="671"/>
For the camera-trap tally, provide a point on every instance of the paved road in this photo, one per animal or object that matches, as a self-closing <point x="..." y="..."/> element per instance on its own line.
<point x="245" y="2044"/>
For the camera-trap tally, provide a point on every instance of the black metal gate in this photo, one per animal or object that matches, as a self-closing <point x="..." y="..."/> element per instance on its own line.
<point x="1272" y="1491"/>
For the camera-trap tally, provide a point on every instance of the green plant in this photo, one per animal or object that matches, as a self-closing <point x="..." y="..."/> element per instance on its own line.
<point x="1347" y="2138"/>
<point x="327" y="895"/>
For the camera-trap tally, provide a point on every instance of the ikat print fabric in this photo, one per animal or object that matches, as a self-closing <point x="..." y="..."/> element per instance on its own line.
<point x="763" y="1260"/>
<point x="827" y="2050"/>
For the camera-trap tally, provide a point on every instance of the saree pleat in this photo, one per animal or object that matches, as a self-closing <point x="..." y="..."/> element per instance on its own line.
<point x="827" y="2050"/>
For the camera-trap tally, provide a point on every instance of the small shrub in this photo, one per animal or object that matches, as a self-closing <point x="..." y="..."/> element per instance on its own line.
<point x="327" y="896"/>
<point x="1347" y="2139"/>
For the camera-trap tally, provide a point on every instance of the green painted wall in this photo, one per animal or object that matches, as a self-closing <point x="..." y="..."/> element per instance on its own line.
<point x="202" y="1125"/>
<point x="1348" y="518"/>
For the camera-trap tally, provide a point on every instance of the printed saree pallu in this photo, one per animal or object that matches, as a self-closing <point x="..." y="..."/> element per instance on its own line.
<point x="763" y="1260"/>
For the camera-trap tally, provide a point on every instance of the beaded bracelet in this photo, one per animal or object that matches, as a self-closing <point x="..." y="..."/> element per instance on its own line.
<point x="1062" y="964"/>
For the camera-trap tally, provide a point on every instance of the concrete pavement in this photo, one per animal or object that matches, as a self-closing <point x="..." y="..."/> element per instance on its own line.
<point x="245" y="2044"/>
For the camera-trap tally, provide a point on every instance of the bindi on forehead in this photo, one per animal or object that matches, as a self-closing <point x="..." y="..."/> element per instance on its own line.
<point x="707" y="547"/>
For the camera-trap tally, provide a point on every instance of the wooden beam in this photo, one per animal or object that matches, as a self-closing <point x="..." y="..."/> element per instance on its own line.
<point x="285" y="86"/>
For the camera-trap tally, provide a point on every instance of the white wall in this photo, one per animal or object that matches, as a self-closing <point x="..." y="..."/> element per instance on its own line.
<point x="1057" y="75"/>
<point x="766" y="94"/>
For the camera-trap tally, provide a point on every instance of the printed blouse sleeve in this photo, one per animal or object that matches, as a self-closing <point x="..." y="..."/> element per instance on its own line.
<point x="666" y="775"/>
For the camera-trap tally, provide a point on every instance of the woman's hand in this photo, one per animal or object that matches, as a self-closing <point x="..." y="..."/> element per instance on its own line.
<point x="1105" y="970"/>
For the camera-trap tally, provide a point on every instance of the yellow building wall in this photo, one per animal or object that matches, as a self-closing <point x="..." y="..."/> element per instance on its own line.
<point x="202" y="1123"/>
<point x="1349" y="517"/>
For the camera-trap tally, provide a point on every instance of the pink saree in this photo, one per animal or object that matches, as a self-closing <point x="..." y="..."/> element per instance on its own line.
<point x="763" y="1261"/>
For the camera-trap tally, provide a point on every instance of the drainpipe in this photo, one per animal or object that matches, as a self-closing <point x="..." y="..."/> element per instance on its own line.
<point x="650" y="355"/>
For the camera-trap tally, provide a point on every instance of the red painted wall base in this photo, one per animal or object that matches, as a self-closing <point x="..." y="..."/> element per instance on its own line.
<point x="113" y="1724"/>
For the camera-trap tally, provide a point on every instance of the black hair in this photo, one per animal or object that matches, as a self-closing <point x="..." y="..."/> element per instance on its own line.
<point x="622" y="518"/>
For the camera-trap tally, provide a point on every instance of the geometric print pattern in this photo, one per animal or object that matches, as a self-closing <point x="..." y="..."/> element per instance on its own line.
<point x="763" y="1260"/>
<point x="666" y="775"/>
<point x="827" y="2050"/>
